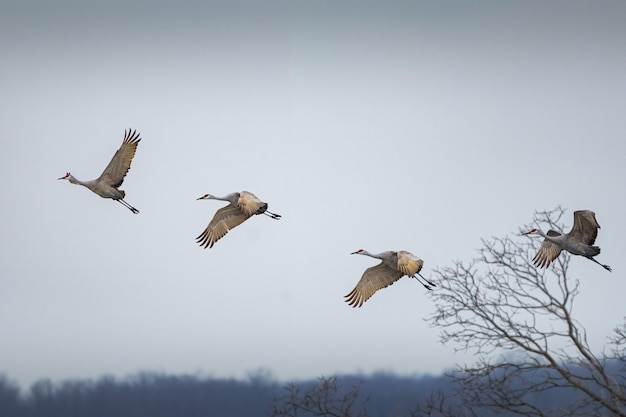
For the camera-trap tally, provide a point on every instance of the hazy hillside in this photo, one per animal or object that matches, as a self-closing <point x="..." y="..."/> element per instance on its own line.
<point x="156" y="395"/>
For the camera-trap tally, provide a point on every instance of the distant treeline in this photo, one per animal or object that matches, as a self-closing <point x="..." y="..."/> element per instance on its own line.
<point x="161" y="395"/>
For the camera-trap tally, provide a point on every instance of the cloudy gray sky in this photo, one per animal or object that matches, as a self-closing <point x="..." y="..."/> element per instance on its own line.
<point x="410" y="125"/>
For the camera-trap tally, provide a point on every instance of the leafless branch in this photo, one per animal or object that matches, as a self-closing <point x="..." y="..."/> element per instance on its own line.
<point x="518" y="321"/>
<point x="327" y="398"/>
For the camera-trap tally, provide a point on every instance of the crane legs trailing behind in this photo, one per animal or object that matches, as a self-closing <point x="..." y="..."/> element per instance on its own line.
<point x="125" y="204"/>
<point x="428" y="285"/>
<point x="579" y="240"/>
<point x="241" y="206"/>
<point x="272" y="215"/>
<point x="108" y="183"/>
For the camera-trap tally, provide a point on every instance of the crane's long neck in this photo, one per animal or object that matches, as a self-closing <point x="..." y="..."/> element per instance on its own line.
<point x="231" y="198"/>
<point x="554" y="239"/>
<point x="371" y="255"/>
<point x="75" y="180"/>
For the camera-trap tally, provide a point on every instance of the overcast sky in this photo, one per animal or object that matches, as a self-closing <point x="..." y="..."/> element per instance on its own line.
<point x="421" y="126"/>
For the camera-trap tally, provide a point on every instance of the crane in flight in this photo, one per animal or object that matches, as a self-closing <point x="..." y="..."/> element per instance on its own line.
<point x="106" y="185"/>
<point x="241" y="206"/>
<point x="579" y="240"/>
<point x="394" y="266"/>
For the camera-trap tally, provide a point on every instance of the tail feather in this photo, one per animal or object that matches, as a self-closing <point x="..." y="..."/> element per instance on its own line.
<point x="593" y="250"/>
<point x="262" y="209"/>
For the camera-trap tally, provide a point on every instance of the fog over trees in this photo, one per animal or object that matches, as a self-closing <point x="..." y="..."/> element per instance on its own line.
<point x="531" y="355"/>
<point x="160" y="395"/>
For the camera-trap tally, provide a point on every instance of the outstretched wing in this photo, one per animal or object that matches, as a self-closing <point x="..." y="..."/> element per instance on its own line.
<point x="408" y="263"/>
<point x="115" y="172"/>
<point x="373" y="279"/>
<point x="585" y="228"/>
<point x="547" y="252"/>
<point x="224" y="219"/>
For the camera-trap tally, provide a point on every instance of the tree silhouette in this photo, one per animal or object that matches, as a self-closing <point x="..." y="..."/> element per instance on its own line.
<point x="518" y="320"/>
<point x="9" y="396"/>
<point x="326" y="398"/>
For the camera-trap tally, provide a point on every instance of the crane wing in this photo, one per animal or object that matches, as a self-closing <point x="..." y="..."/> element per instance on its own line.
<point x="373" y="279"/>
<point x="224" y="219"/>
<point x="250" y="204"/>
<point x="585" y="228"/>
<point x="115" y="172"/>
<point x="408" y="263"/>
<point x="547" y="252"/>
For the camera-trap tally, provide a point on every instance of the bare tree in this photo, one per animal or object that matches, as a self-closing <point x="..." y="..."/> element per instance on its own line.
<point x="530" y="349"/>
<point x="326" y="398"/>
<point x="440" y="404"/>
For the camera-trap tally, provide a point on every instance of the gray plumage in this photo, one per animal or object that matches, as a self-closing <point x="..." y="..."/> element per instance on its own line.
<point x="394" y="266"/>
<point x="579" y="241"/>
<point x="106" y="185"/>
<point x="241" y="206"/>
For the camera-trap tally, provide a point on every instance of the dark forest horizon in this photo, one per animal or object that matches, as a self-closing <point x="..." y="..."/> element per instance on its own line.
<point x="160" y="394"/>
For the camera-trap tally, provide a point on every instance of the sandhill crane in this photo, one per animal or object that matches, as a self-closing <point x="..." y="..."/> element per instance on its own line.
<point x="113" y="175"/>
<point x="241" y="207"/>
<point x="578" y="241"/>
<point x="394" y="266"/>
